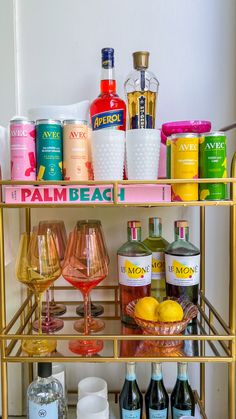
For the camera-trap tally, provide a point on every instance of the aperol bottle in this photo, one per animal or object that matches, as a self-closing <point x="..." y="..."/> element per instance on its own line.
<point x="134" y="270"/>
<point x="108" y="110"/>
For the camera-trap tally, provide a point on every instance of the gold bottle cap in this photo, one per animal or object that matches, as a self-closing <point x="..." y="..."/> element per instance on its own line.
<point x="181" y="223"/>
<point x="141" y="60"/>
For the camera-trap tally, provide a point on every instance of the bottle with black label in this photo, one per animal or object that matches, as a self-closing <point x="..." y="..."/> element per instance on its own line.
<point x="182" y="264"/>
<point x="131" y="399"/>
<point x="156" y="398"/>
<point x="141" y="88"/>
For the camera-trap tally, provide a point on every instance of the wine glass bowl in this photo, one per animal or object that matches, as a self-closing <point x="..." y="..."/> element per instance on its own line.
<point x="37" y="267"/>
<point x="85" y="266"/>
<point x="158" y="328"/>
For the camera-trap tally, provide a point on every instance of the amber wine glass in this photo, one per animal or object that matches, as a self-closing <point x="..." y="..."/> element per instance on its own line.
<point x="52" y="308"/>
<point x="85" y="266"/>
<point x="38" y="266"/>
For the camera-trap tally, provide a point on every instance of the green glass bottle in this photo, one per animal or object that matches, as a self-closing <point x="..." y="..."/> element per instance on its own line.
<point x="156" y="398"/>
<point x="134" y="270"/>
<point x="182" y="397"/>
<point x="130" y="399"/>
<point x="182" y="261"/>
<point x="157" y="245"/>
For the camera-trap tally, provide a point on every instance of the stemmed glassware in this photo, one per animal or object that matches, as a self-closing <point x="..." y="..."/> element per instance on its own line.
<point x="85" y="266"/>
<point x="51" y="309"/>
<point x="95" y="325"/>
<point x="37" y="267"/>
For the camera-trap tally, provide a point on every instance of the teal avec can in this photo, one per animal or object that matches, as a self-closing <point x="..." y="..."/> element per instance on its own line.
<point x="49" y="149"/>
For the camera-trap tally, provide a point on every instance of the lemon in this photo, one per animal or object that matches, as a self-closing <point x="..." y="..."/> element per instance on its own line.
<point x="146" y="308"/>
<point x="170" y="311"/>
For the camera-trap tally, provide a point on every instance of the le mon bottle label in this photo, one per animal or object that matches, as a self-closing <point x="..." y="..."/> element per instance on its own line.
<point x="182" y="270"/>
<point x="158" y="265"/>
<point x="135" y="271"/>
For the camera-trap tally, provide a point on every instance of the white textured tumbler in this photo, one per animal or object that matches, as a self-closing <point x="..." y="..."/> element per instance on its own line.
<point x="92" y="407"/>
<point x="92" y="386"/>
<point x="142" y="152"/>
<point x="108" y="149"/>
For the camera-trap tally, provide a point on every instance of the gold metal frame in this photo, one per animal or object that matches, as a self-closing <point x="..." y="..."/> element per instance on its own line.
<point x="215" y="332"/>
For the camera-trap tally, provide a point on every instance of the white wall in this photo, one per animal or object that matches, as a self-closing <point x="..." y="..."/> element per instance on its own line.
<point x="192" y="47"/>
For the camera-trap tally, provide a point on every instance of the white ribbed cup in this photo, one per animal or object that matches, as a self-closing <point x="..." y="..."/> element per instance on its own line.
<point x="108" y="150"/>
<point x="92" y="386"/>
<point x="143" y="151"/>
<point x="92" y="407"/>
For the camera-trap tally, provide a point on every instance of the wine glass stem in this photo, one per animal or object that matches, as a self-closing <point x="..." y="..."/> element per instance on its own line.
<point x="86" y="313"/>
<point x="39" y="298"/>
<point x="47" y="319"/>
<point x="52" y="294"/>
<point x="89" y="310"/>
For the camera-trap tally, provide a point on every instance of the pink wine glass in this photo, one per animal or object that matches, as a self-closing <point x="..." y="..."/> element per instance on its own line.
<point x="85" y="266"/>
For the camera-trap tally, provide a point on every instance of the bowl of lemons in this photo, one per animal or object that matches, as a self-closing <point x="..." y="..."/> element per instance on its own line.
<point x="170" y="317"/>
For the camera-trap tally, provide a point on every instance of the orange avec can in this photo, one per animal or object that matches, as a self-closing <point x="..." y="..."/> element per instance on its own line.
<point x="77" y="162"/>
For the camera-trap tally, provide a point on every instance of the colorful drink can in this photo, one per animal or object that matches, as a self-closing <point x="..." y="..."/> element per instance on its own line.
<point x="22" y="149"/>
<point x="184" y="165"/>
<point x="49" y="149"/>
<point x="76" y="150"/>
<point x="213" y="164"/>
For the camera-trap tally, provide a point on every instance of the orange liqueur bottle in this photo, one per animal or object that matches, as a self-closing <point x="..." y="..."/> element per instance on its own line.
<point x="134" y="269"/>
<point x="108" y="110"/>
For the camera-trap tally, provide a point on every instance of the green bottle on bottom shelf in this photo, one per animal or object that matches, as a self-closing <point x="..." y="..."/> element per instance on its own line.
<point x="156" y="397"/>
<point x="130" y="399"/>
<point x="182" y="397"/>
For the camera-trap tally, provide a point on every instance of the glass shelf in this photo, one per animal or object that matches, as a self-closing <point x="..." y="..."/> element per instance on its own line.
<point x="209" y="340"/>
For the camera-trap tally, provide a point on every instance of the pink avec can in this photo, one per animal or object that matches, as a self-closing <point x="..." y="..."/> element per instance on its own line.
<point x="22" y="149"/>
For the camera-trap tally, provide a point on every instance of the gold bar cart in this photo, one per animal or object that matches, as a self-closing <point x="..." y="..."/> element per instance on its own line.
<point x="215" y="335"/>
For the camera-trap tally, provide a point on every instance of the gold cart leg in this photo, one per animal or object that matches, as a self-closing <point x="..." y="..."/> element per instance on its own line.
<point x="28" y="230"/>
<point x="232" y="293"/>
<point x="4" y="377"/>
<point x="232" y="390"/>
<point x="202" y="287"/>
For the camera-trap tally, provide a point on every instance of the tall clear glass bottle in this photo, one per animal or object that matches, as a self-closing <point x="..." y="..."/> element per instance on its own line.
<point x="141" y="88"/>
<point x="182" y="397"/>
<point x="156" y="397"/>
<point x="134" y="269"/>
<point x="130" y="399"/>
<point x="157" y="244"/>
<point x="45" y="395"/>
<point x="182" y="260"/>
